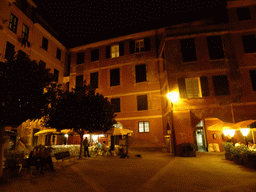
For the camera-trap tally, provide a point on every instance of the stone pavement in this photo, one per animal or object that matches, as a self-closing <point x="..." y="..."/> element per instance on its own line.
<point x="153" y="171"/>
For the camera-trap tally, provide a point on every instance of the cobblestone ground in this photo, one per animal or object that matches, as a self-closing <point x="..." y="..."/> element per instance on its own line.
<point x="152" y="171"/>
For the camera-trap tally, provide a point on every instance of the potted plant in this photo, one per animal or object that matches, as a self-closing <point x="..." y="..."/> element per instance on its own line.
<point x="238" y="153"/>
<point x="188" y="149"/>
<point x="227" y="148"/>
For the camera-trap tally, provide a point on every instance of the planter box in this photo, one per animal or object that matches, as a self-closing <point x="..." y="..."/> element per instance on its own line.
<point x="189" y="153"/>
<point x="238" y="160"/>
<point x="250" y="162"/>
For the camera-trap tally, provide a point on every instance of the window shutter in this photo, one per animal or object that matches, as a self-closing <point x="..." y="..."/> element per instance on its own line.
<point x="121" y="49"/>
<point x="132" y="47"/>
<point x="182" y="88"/>
<point x="147" y="44"/>
<point x="204" y="86"/>
<point x="108" y="52"/>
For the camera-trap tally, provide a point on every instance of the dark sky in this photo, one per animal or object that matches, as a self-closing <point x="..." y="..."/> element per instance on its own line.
<point x="85" y="21"/>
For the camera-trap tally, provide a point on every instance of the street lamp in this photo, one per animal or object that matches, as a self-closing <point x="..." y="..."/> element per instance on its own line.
<point x="66" y="135"/>
<point x="245" y="132"/>
<point x="173" y="96"/>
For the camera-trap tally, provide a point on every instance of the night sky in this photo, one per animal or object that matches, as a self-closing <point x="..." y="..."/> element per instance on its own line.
<point x="85" y="21"/>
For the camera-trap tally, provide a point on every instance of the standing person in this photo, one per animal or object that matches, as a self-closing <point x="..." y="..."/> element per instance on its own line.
<point x="86" y="145"/>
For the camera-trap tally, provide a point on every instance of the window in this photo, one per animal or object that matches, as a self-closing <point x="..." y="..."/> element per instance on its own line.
<point x="56" y="75"/>
<point x="42" y="64"/>
<point x="114" y="77"/>
<point x="116" y="104"/>
<point x="95" y="55"/>
<point x="220" y="84"/>
<point x="58" y="54"/>
<point x="143" y="126"/>
<point x="215" y="47"/>
<point x="193" y="87"/>
<point x="45" y="44"/>
<point x="25" y="31"/>
<point x="9" y="52"/>
<point x="142" y="102"/>
<point x="79" y="81"/>
<point x="94" y="79"/>
<point x="114" y="51"/>
<point x="188" y="50"/>
<point x="13" y="23"/>
<point x="139" y="45"/>
<point x="253" y="79"/>
<point x="141" y="74"/>
<point x="80" y="58"/>
<point x="249" y="43"/>
<point x="243" y="13"/>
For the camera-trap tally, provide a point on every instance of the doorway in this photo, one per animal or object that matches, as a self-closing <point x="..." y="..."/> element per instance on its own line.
<point x="200" y="140"/>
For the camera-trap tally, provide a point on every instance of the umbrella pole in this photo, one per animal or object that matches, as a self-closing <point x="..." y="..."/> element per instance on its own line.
<point x="253" y="136"/>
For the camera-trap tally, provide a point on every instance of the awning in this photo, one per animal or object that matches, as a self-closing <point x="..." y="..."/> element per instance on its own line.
<point x="118" y="131"/>
<point x="222" y="126"/>
<point x="45" y="131"/>
<point x="244" y="124"/>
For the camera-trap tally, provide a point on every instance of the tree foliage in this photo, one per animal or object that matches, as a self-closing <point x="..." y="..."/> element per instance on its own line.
<point x="23" y="90"/>
<point x="83" y="110"/>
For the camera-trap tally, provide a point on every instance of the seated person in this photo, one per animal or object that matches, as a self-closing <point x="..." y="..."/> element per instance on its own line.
<point x="33" y="159"/>
<point x="238" y="143"/>
<point x="45" y="158"/>
<point x="251" y="146"/>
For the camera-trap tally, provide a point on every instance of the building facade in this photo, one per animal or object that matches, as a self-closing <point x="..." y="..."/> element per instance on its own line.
<point x="22" y="28"/>
<point x="212" y="67"/>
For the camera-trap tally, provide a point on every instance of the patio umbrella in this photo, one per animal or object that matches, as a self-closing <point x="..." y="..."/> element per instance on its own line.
<point x="222" y="126"/>
<point x="45" y="131"/>
<point x="118" y="131"/>
<point x="244" y="124"/>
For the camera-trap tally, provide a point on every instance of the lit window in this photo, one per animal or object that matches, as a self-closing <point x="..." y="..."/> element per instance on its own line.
<point x="193" y="87"/>
<point x="139" y="45"/>
<point x="114" y="51"/>
<point x="143" y="126"/>
<point x="13" y="23"/>
<point x="24" y="33"/>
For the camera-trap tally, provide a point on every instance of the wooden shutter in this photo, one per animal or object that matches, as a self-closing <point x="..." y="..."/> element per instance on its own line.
<point x="204" y="86"/>
<point x="121" y="49"/>
<point x="182" y="88"/>
<point x="132" y="47"/>
<point x="147" y="44"/>
<point x="108" y="52"/>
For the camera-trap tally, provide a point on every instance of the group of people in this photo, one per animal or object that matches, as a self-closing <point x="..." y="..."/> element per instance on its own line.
<point x="40" y="158"/>
<point x="102" y="146"/>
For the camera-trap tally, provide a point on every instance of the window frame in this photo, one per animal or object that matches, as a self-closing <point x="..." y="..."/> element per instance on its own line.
<point x="80" y="58"/>
<point x="193" y="87"/>
<point x="187" y="50"/>
<point x="215" y="47"/>
<point x="58" y="54"/>
<point x="91" y="79"/>
<point x="45" y="43"/>
<point x="143" y="130"/>
<point x="13" y="24"/>
<point x="114" y="51"/>
<point x="140" y="47"/>
<point x="25" y="32"/>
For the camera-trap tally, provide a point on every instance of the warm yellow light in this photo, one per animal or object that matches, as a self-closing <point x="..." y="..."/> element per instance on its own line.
<point x="66" y="135"/>
<point x="245" y="131"/>
<point x="86" y="135"/>
<point x="226" y="132"/>
<point x="232" y="132"/>
<point x="173" y="96"/>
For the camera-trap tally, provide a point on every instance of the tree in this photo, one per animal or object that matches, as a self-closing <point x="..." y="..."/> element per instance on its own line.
<point x="83" y="110"/>
<point x="24" y="93"/>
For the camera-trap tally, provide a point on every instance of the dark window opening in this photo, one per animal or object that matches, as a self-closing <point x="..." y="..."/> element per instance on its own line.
<point x="56" y="75"/>
<point x="45" y="44"/>
<point x="243" y="13"/>
<point x="13" y="23"/>
<point x="253" y="79"/>
<point x="42" y="64"/>
<point x="9" y="52"/>
<point x="141" y="74"/>
<point x="249" y="43"/>
<point x="58" y="54"/>
<point x="80" y="58"/>
<point x="220" y="84"/>
<point x="215" y="47"/>
<point x="116" y="104"/>
<point x="188" y="50"/>
<point x="114" y="77"/>
<point x="142" y="102"/>
<point x="94" y="79"/>
<point x="95" y="55"/>
<point x="79" y="81"/>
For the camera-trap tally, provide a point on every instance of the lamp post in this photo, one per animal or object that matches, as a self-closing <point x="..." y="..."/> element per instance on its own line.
<point x="245" y="132"/>
<point x="66" y="135"/>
